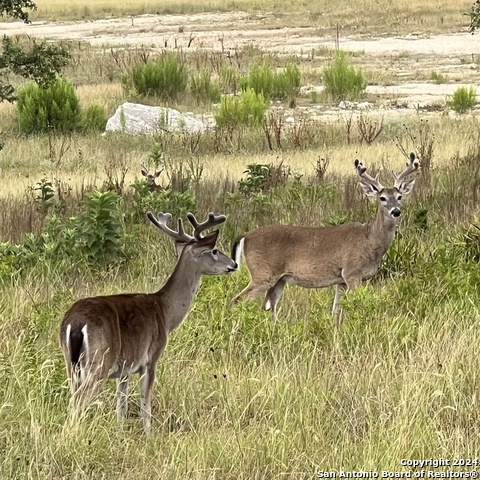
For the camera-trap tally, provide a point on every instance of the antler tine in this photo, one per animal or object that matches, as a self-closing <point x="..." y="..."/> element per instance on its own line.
<point x="210" y="222"/>
<point x="161" y="223"/>
<point x="362" y="171"/>
<point x="412" y="166"/>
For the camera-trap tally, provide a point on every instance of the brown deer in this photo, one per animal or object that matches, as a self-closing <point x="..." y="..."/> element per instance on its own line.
<point x="151" y="183"/>
<point x="116" y="336"/>
<point x="318" y="257"/>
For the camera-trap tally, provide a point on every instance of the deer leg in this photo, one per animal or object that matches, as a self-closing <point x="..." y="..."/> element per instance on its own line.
<point x="273" y="295"/>
<point x="351" y="283"/>
<point x="252" y="291"/>
<point x="147" y="379"/>
<point x="339" y="289"/>
<point x="122" y="401"/>
<point x="86" y="387"/>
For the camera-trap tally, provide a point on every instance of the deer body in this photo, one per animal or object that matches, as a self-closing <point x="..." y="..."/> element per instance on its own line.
<point x="319" y="257"/>
<point x="116" y="336"/>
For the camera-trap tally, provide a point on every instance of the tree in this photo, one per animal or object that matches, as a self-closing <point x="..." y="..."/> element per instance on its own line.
<point x="38" y="61"/>
<point x="474" y="17"/>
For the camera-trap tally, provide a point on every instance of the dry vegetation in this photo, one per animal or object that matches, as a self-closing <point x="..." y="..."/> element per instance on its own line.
<point x="238" y="395"/>
<point x="363" y="15"/>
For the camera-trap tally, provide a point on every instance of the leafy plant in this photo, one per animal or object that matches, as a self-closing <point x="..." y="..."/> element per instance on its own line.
<point x="272" y="85"/>
<point x="203" y="88"/>
<point x="93" y="119"/>
<point x="262" y="177"/>
<point x="437" y="77"/>
<point x="229" y="79"/>
<point x="342" y="81"/>
<point x="99" y="229"/>
<point x="463" y="99"/>
<point x="37" y="61"/>
<point x="164" y="77"/>
<point x="55" y="107"/>
<point x="247" y="109"/>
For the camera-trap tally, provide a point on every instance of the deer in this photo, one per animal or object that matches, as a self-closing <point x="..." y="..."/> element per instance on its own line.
<point x="319" y="257"/>
<point x="151" y="183"/>
<point x="117" y="336"/>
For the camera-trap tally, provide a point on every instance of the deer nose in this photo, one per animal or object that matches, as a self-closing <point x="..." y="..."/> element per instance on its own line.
<point x="395" y="212"/>
<point x="234" y="268"/>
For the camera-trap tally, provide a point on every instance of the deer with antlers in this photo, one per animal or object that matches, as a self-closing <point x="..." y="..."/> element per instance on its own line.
<point x="151" y="183"/>
<point x="318" y="257"/>
<point x="117" y="336"/>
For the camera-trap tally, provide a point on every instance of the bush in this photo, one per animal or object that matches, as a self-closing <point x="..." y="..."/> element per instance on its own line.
<point x="229" y="80"/>
<point x="262" y="79"/>
<point x="342" y="81"/>
<point x="463" y="99"/>
<point x="99" y="230"/>
<point x="247" y="109"/>
<point x="203" y="89"/>
<point x="164" y="77"/>
<point x="56" y="107"/>
<point x="93" y="119"/>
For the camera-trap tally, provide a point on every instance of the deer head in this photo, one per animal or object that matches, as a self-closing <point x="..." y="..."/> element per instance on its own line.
<point x="389" y="198"/>
<point x="151" y="184"/>
<point x="202" y="250"/>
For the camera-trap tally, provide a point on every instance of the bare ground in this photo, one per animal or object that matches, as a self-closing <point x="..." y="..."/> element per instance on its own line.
<point x="454" y="54"/>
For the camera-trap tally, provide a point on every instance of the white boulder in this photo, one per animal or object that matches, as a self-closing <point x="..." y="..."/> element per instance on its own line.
<point x="138" y="118"/>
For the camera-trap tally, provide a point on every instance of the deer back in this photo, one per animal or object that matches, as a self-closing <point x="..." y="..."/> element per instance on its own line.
<point x="315" y="254"/>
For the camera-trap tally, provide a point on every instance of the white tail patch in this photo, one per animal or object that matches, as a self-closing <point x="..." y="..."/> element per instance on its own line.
<point x="238" y="251"/>
<point x="83" y="372"/>
<point x="67" y="335"/>
<point x="268" y="305"/>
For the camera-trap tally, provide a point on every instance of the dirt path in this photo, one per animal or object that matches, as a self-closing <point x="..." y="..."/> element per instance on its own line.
<point x="236" y="29"/>
<point x="455" y="53"/>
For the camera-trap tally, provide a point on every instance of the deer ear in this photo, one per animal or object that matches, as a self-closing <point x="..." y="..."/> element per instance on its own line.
<point x="209" y="240"/>
<point x="157" y="174"/>
<point x="407" y="187"/>
<point x="144" y="173"/>
<point x="369" y="190"/>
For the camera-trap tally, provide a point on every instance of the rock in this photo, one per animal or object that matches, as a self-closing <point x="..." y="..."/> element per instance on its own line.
<point x="138" y="118"/>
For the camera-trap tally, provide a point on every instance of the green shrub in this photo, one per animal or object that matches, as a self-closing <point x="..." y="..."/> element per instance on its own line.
<point x="287" y="84"/>
<point x="164" y="77"/>
<point x="99" y="229"/>
<point x="93" y="119"/>
<point x="203" y="88"/>
<point x="246" y="109"/>
<point x="463" y="99"/>
<point x="229" y="80"/>
<point x="56" y="107"/>
<point x="280" y="86"/>
<point x="342" y="81"/>
<point x="437" y="77"/>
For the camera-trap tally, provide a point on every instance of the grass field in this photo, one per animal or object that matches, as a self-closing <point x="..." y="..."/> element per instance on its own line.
<point x="239" y="395"/>
<point x="364" y="16"/>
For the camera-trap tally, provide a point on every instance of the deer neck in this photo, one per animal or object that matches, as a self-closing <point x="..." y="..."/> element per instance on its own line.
<point x="179" y="291"/>
<point x="382" y="231"/>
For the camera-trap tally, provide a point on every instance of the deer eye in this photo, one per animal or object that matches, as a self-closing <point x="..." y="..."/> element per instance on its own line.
<point x="383" y="199"/>
<point x="215" y="252"/>
<point x="399" y="197"/>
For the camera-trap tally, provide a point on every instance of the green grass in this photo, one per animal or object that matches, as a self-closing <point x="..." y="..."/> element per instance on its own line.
<point x="239" y="395"/>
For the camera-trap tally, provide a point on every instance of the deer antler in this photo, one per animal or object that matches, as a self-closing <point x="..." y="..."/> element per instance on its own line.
<point x="210" y="222"/>
<point x="365" y="177"/>
<point x="412" y="166"/>
<point x="161" y="223"/>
